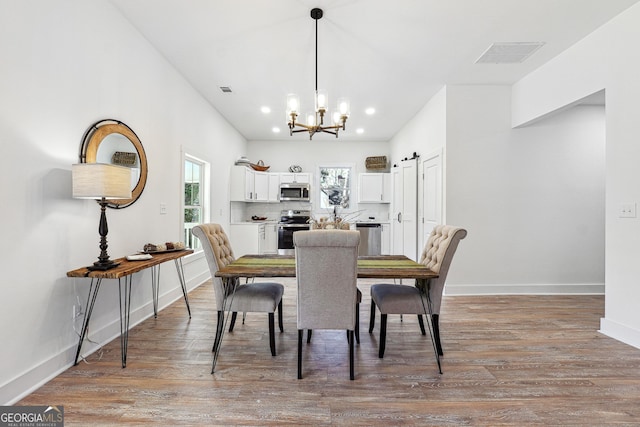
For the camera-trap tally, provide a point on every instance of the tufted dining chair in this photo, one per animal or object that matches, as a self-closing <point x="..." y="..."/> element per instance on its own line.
<point x="327" y="274"/>
<point x="253" y="297"/>
<point x="404" y="299"/>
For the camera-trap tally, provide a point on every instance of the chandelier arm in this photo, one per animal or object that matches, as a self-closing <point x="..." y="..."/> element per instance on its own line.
<point x="301" y="130"/>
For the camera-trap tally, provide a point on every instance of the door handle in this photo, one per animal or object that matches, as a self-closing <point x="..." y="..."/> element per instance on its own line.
<point x="399" y="216"/>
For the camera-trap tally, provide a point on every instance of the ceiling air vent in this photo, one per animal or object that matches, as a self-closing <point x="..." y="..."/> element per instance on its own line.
<point x="225" y="89"/>
<point x="508" y="53"/>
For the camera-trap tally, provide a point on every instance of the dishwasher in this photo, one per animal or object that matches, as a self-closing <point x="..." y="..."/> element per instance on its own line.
<point x="370" y="238"/>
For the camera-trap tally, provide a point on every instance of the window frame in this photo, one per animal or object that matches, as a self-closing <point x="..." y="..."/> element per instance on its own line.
<point x="204" y="191"/>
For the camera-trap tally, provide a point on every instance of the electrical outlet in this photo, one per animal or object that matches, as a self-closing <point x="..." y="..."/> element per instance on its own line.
<point x="163" y="208"/>
<point x="627" y="210"/>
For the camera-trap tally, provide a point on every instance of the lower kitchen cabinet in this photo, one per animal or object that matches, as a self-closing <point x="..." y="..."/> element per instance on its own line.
<point x="253" y="238"/>
<point x="268" y="238"/>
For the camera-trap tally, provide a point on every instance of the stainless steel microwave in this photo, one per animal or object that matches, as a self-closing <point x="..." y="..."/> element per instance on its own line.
<point x="294" y="191"/>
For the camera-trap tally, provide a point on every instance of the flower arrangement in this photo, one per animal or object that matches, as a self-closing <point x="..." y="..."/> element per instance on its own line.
<point x="333" y="221"/>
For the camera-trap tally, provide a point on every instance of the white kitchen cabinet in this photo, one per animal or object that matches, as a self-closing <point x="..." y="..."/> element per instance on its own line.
<point x="268" y="238"/>
<point x="274" y="187"/>
<point x="241" y="184"/>
<point x="253" y="238"/>
<point x="260" y="187"/>
<point x="385" y="242"/>
<point x="248" y="185"/>
<point x="295" y="177"/>
<point x="244" y="238"/>
<point x="374" y="188"/>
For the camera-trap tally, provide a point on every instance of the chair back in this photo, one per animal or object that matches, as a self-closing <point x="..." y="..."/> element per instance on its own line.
<point x="327" y="273"/>
<point x="217" y="250"/>
<point x="437" y="255"/>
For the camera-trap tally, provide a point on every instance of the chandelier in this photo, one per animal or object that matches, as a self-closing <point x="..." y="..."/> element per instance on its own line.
<point x="314" y="122"/>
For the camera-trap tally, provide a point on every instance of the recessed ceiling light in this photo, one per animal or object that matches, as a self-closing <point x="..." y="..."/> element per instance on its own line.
<point x="275" y="129"/>
<point x="369" y="111"/>
<point x="265" y="109"/>
<point x="359" y="131"/>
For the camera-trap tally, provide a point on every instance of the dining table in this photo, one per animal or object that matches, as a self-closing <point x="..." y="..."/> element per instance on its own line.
<point x="369" y="267"/>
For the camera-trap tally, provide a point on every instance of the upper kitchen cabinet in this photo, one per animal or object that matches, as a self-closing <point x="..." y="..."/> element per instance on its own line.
<point x="248" y="185"/>
<point x="374" y="188"/>
<point x="295" y="177"/>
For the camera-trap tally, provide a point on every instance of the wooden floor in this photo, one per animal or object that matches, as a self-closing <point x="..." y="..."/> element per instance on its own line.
<point x="509" y="360"/>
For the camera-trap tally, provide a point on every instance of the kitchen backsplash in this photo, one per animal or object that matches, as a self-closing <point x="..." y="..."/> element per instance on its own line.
<point x="241" y="211"/>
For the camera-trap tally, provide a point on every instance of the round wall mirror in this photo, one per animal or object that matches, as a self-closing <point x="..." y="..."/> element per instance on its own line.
<point x="113" y="142"/>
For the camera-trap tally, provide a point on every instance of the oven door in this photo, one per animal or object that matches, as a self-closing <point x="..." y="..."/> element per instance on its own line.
<point x="285" y="237"/>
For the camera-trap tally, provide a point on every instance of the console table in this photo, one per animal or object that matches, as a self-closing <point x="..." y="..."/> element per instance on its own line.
<point x="125" y="271"/>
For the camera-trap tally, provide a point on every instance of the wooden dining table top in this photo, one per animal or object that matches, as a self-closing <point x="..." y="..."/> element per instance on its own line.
<point x="379" y="267"/>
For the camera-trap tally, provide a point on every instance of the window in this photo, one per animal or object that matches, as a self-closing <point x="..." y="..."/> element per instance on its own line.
<point x="335" y="187"/>
<point x="194" y="198"/>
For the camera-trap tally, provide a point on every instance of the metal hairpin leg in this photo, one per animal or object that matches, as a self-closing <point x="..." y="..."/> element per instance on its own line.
<point x="230" y="284"/>
<point x="155" y="287"/>
<point x="91" y="300"/>
<point x="425" y="289"/>
<point x="180" y="270"/>
<point x="125" y="311"/>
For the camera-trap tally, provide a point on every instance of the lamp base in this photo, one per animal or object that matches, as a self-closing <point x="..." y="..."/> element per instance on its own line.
<point x="102" y="266"/>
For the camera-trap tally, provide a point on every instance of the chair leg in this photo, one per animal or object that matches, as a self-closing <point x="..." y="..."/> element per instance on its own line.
<point x="357" y="331"/>
<point x="280" y="316"/>
<point x="309" y="332"/>
<point x="372" y="317"/>
<point x="232" y="323"/>
<point x="272" y="334"/>
<point x="300" y="335"/>
<point x="351" y="351"/>
<point x="435" y="321"/>
<point x="421" y="323"/>
<point x="219" y="326"/>
<point x="383" y="334"/>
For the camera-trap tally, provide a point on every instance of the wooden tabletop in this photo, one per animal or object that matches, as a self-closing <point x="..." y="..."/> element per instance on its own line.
<point x="381" y="267"/>
<point x="127" y="268"/>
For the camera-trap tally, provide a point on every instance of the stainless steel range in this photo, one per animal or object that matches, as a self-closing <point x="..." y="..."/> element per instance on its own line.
<point x="290" y="222"/>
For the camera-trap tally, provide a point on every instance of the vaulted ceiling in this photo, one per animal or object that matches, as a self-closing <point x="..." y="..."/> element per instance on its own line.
<point x="392" y="56"/>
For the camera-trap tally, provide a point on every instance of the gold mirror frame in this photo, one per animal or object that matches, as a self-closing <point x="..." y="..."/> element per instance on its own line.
<point x="91" y="141"/>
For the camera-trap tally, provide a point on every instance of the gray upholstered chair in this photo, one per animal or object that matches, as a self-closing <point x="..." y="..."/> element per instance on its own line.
<point x="404" y="299"/>
<point x="253" y="297"/>
<point x="327" y="274"/>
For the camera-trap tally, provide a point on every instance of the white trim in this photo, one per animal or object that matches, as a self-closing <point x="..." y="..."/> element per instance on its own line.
<point x="27" y="382"/>
<point x="526" y="289"/>
<point x="620" y="332"/>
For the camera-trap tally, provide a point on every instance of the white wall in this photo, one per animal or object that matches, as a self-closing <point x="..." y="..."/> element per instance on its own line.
<point x="65" y="65"/>
<point x="609" y="59"/>
<point x="532" y="199"/>
<point x="424" y="133"/>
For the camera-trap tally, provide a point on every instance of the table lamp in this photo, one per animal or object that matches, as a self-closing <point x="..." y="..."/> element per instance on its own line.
<point x="101" y="182"/>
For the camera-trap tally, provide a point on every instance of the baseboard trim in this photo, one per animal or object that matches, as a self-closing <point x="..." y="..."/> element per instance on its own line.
<point x="26" y="383"/>
<point x="620" y="332"/>
<point x="526" y="289"/>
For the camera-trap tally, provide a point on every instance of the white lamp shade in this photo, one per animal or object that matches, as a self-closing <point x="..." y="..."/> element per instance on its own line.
<point x="322" y="100"/>
<point x="311" y="119"/>
<point x="293" y="103"/>
<point x="98" y="180"/>
<point x="344" y="107"/>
